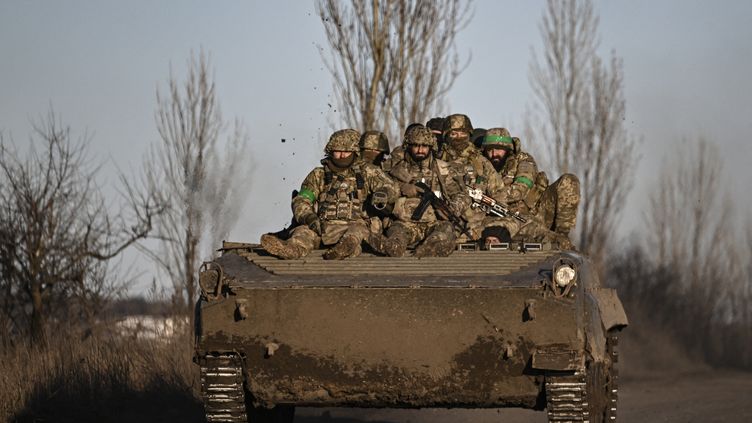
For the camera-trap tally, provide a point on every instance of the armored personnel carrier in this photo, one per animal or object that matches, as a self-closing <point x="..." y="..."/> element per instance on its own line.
<point x="520" y="325"/>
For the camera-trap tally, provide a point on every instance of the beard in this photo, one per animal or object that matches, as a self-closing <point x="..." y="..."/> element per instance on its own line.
<point x="419" y="157"/>
<point x="498" y="162"/>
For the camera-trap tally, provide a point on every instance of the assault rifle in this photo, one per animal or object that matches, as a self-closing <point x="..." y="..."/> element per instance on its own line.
<point x="491" y="206"/>
<point x="440" y="205"/>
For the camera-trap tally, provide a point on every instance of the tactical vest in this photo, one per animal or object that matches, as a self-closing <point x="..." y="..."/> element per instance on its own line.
<point x="343" y="195"/>
<point x="405" y="206"/>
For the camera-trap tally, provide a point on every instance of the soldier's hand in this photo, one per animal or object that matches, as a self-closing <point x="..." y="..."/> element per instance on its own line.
<point x="409" y="190"/>
<point x="313" y="222"/>
<point x="515" y="194"/>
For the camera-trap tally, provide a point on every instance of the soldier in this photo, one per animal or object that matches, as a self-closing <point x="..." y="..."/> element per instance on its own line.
<point x="330" y="203"/>
<point x="476" y="172"/>
<point x="527" y="190"/>
<point x="463" y="155"/>
<point x="434" y="124"/>
<point x="374" y="147"/>
<point x="433" y="233"/>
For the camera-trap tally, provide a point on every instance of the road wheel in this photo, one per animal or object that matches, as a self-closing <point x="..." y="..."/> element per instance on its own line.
<point x="602" y="381"/>
<point x="588" y="396"/>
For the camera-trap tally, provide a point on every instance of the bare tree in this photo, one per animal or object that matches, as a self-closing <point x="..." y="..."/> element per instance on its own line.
<point x="57" y="231"/>
<point x="704" y="259"/>
<point x="691" y="226"/>
<point x="393" y="61"/>
<point x="579" y="116"/>
<point x="201" y="185"/>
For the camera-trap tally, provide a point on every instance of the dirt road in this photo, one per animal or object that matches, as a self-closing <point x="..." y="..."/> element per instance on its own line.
<point x="702" y="397"/>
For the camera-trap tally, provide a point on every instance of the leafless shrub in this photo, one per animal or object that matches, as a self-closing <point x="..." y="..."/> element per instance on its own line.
<point x="57" y="233"/>
<point x="578" y="119"/>
<point x="200" y="184"/>
<point x="393" y="61"/>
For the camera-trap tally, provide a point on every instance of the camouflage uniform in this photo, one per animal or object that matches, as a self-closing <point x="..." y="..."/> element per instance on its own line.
<point x="374" y="146"/>
<point x="330" y="204"/>
<point x="436" y="233"/>
<point x="553" y="207"/>
<point x="475" y="170"/>
<point x="398" y="154"/>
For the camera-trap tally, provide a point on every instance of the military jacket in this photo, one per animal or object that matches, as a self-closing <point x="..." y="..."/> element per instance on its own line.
<point x="476" y="170"/>
<point x="522" y="180"/>
<point x="341" y="195"/>
<point x="438" y="175"/>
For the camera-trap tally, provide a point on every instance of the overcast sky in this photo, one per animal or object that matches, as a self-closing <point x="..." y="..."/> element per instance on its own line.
<point x="98" y="63"/>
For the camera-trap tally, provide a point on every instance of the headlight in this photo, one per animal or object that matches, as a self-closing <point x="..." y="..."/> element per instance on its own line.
<point x="564" y="275"/>
<point x="210" y="280"/>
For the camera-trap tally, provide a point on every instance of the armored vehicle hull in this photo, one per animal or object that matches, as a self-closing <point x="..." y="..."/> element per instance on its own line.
<point x="476" y="329"/>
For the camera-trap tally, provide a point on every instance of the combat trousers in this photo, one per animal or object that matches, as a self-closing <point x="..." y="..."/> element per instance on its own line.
<point x="412" y="233"/>
<point x="331" y="233"/>
<point x="557" y="207"/>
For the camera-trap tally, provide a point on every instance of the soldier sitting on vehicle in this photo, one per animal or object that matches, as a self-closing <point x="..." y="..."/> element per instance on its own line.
<point x="374" y="147"/>
<point x="330" y="204"/>
<point x="398" y="154"/>
<point x="416" y="221"/>
<point x="476" y="172"/>
<point x="527" y="191"/>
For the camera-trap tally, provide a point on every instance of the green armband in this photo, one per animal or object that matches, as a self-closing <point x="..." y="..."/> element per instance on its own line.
<point x="307" y="193"/>
<point x="524" y="181"/>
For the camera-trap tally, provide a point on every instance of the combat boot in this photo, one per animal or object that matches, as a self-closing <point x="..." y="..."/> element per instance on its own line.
<point x="377" y="242"/>
<point x="434" y="248"/>
<point x="348" y="246"/>
<point x="395" y="246"/>
<point x="283" y="249"/>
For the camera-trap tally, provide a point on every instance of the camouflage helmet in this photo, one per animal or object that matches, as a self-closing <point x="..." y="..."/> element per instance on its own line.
<point x="457" y="122"/>
<point x="498" y="138"/>
<point x="374" y="140"/>
<point x="420" y="135"/>
<point x="343" y="140"/>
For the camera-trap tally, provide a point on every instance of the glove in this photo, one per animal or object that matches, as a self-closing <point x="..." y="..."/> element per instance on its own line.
<point x="313" y="222"/>
<point x="409" y="190"/>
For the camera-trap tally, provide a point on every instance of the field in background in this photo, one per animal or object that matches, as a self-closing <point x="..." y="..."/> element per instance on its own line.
<point x="82" y="377"/>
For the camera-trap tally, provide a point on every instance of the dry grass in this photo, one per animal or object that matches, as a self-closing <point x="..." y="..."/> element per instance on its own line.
<point x="100" y="378"/>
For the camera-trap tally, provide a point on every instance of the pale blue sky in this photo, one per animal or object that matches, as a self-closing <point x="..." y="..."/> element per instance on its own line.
<point x="687" y="67"/>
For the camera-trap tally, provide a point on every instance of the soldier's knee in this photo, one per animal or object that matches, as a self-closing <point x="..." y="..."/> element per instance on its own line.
<point x="568" y="188"/>
<point x="570" y="181"/>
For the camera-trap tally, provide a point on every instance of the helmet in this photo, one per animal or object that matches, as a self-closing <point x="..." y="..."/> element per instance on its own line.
<point x="435" y="124"/>
<point x="374" y="140"/>
<point x="498" y="137"/>
<point x="411" y="126"/>
<point x="343" y="140"/>
<point x="420" y="135"/>
<point x="457" y="123"/>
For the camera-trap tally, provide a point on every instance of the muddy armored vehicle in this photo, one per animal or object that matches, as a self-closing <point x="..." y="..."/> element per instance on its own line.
<point x="520" y="325"/>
